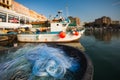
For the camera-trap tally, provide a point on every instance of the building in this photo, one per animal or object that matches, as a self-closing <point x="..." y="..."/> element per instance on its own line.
<point x="19" y="8"/>
<point x="38" y="17"/>
<point x="6" y="3"/>
<point x="77" y="21"/>
<point x="103" y="21"/>
<point x="115" y="22"/>
<point x="74" y="21"/>
<point x="98" y="21"/>
<point x="106" y="20"/>
<point x="13" y="14"/>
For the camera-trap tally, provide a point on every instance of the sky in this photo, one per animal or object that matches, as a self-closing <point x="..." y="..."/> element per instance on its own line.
<point x="86" y="10"/>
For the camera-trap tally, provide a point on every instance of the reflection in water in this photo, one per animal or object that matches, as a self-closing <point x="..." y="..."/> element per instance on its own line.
<point x="103" y="47"/>
<point x="103" y="35"/>
<point x="44" y="61"/>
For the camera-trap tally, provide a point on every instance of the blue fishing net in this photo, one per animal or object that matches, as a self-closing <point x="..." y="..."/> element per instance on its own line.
<point x="13" y="61"/>
<point x="50" y="61"/>
<point x="41" y="61"/>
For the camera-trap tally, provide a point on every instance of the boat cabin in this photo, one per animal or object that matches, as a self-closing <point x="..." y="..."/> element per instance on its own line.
<point x="50" y="26"/>
<point x="54" y="27"/>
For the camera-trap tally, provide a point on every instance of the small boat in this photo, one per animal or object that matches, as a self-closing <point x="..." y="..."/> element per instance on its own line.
<point x="7" y="36"/>
<point x="55" y="31"/>
<point x="7" y="39"/>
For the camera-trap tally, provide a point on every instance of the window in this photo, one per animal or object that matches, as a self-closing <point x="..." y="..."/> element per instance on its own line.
<point x="2" y="17"/>
<point x="22" y="20"/>
<point x="13" y="19"/>
<point x="57" y="24"/>
<point x="64" y="25"/>
<point x="3" y="1"/>
<point x="7" y="2"/>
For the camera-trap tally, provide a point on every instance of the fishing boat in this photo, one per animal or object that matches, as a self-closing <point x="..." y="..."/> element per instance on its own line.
<point x="56" y="30"/>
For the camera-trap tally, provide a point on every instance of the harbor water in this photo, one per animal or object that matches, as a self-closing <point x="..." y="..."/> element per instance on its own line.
<point x="103" y="47"/>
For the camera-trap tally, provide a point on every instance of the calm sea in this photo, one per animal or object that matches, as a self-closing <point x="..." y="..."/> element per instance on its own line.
<point x="103" y="47"/>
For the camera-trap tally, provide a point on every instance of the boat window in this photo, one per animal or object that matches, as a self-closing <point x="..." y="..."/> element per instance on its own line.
<point x="64" y="25"/>
<point x="2" y="17"/>
<point x="57" y="24"/>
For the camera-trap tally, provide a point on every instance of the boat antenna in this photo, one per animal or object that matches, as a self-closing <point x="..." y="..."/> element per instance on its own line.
<point x="67" y="11"/>
<point x="50" y="17"/>
<point x="59" y="13"/>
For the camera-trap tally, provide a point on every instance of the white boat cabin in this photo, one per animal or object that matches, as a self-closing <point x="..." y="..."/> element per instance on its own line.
<point x="55" y="27"/>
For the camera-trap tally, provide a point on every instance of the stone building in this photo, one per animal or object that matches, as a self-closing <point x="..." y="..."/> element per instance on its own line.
<point x="19" y="8"/>
<point x="6" y="3"/>
<point x="38" y="17"/>
<point x="75" y="21"/>
<point x="115" y="22"/>
<point x="103" y="21"/>
<point x="13" y="14"/>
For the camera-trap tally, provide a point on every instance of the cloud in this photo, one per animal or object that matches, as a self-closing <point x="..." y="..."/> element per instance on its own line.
<point x="116" y="3"/>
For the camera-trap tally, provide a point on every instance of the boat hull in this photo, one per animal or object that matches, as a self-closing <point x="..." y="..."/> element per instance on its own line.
<point x="47" y="37"/>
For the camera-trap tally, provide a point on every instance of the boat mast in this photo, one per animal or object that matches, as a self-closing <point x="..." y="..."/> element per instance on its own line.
<point x="60" y="14"/>
<point x="67" y="11"/>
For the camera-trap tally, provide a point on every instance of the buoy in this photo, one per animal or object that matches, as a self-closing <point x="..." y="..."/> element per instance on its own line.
<point x="76" y="33"/>
<point x="62" y="34"/>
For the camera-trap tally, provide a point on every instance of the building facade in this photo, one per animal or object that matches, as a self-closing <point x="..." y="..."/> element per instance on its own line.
<point x="38" y="17"/>
<point x="6" y="3"/>
<point x="13" y="14"/>
<point x="103" y="20"/>
<point x="116" y="22"/>
<point x="19" y="8"/>
<point x="75" y="21"/>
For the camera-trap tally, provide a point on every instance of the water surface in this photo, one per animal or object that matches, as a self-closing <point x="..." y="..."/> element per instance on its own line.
<point x="103" y="47"/>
